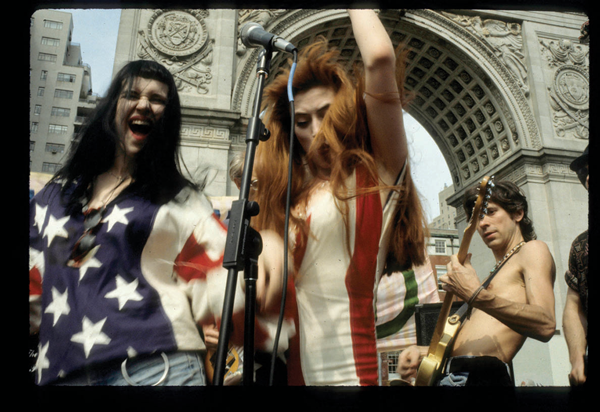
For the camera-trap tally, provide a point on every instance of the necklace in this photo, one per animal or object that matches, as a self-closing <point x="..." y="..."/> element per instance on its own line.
<point x="110" y="194"/>
<point x="121" y="179"/>
<point x="508" y="255"/>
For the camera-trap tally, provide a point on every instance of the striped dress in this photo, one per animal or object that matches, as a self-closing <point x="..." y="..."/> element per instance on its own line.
<point x="335" y="291"/>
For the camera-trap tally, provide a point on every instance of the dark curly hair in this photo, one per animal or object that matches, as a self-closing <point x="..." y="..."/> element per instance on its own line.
<point x="509" y="197"/>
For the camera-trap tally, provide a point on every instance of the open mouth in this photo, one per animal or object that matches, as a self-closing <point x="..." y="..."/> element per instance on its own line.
<point x="140" y="128"/>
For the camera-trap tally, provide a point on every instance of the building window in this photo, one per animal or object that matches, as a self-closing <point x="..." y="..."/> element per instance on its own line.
<point x="55" y="148"/>
<point x="44" y="75"/>
<point x="57" y="129"/>
<point x="50" y="167"/>
<point x="41" y="91"/>
<point x="37" y="109"/>
<point x="66" y="77"/>
<point x="34" y="127"/>
<point x="31" y="146"/>
<point x="392" y="358"/>
<point x="49" y="24"/>
<point x="46" y="57"/>
<point x="440" y="247"/>
<point x="49" y="41"/>
<point x="63" y="94"/>
<point x="440" y="270"/>
<point x="60" y="111"/>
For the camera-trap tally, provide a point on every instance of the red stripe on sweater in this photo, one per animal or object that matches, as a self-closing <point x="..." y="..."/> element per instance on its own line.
<point x="360" y="280"/>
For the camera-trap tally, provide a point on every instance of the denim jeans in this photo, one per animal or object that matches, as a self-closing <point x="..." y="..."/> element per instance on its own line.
<point x="172" y="369"/>
<point x="455" y="379"/>
<point x="476" y="371"/>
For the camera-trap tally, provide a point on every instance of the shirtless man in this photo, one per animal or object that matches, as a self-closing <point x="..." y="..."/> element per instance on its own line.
<point x="518" y="303"/>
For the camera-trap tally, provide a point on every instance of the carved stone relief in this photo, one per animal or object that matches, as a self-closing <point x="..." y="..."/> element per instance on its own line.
<point x="179" y="39"/>
<point x="569" y="91"/>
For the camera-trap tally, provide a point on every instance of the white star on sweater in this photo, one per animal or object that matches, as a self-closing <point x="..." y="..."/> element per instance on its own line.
<point x="89" y="263"/>
<point x="40" y="215"/>
<point x="59" y="305"/>
<point x="56" y="227"/>
<point x="117" y="216"/>
<point x="91" y="335"/>
<point x="124" y="292"/>
<point x="42" y="360"/>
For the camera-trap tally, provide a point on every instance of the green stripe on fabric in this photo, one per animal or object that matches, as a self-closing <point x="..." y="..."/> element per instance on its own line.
<point x="411" y="299"/>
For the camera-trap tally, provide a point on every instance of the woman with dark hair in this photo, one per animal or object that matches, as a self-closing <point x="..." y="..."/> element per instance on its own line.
<point x="100" y="151"/>
<point x="352" y="200"/>
<point x="121" y="247"/>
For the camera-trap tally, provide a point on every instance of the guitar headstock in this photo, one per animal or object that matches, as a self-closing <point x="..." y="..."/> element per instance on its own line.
<point x="479" y="210"/>
<point x="485" y="193"/>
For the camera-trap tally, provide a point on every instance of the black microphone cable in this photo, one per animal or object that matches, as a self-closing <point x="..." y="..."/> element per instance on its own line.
<point x="287" y="219"/>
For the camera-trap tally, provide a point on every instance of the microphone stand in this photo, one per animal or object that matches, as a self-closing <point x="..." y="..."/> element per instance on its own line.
<point x="244" y="244"/>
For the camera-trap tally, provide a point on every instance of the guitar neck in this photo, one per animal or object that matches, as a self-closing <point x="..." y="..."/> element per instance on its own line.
<point x="464" y="247"/>
<point x="447" y="305"/>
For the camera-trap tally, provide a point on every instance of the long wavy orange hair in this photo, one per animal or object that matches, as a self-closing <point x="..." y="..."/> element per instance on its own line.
<point x="343" y="140"/>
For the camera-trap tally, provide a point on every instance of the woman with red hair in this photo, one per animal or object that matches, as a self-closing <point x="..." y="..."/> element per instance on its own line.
<point x="353" y="202"/>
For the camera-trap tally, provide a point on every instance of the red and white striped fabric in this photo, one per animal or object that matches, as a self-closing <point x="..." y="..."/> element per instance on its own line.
<point x="335" y="290"/>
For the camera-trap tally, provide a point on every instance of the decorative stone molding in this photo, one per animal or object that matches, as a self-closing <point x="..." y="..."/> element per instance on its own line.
<point x="513" y="91"/>
<point x="204" y="136"/>
<point x="179" y="39"/>
<point x="504" y="38"/>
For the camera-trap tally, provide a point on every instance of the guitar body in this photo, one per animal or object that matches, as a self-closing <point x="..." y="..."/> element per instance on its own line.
<point x="233" y="366"/>
<point x="433" y="364"/>
<point x="447" y="328"/>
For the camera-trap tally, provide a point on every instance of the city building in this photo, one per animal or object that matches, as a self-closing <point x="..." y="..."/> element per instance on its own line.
<point x="442" y="244"/>
<point x="447" y="217"/>
<point x="60" y="90"/>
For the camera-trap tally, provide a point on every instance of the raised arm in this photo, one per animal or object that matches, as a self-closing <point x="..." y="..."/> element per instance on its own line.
<point x="384" y="109"/>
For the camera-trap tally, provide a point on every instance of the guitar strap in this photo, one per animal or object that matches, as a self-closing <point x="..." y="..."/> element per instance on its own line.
<point x="465" y="310"/>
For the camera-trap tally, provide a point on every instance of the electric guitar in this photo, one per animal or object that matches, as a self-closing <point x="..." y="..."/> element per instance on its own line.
<point x="447" y="327"/>
<point x="233" y="366"/>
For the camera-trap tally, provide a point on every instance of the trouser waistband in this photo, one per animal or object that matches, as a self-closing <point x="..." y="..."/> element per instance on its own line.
<point x="475" y="363"/>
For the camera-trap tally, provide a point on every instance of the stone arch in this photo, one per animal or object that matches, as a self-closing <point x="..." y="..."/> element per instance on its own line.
<point x="466" y="96"/>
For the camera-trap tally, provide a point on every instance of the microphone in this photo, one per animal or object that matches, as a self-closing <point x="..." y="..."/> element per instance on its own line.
<point x="253" y="35"/>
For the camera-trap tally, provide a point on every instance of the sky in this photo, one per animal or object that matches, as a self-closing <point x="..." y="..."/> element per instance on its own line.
<point x="96" y="31"/>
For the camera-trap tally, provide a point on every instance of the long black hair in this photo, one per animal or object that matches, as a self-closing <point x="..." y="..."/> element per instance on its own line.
<point x="157" y="174"/>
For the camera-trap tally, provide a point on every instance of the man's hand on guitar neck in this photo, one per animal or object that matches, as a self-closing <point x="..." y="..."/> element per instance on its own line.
<point x="461" y="280"/>
<point x="409" y="361"/>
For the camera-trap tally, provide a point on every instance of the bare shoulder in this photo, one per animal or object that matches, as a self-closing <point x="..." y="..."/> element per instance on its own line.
<point x="536" y="248"/>
<point x="535" y="257"/>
